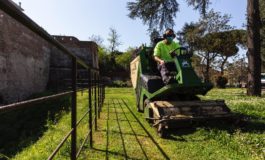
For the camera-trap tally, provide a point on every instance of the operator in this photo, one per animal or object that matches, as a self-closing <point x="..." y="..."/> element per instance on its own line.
<point x="163" y="58"/>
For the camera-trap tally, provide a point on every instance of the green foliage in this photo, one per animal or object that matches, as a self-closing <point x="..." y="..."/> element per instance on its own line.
<point x="113" y="40"/>
<point x="124" y="59"/>
<point x="224" y="43"/>
<point x="213" y="40"/>
<point x="120" y="84"/>
<point x="236" y="71"/>
<point x="221" y="82"/>
<point x="200" y="5"/>
<point x="156" y="14"/>
<point x="105" y="64"/>
<point x="121" y="65"/>
<point x="160" y="14"/>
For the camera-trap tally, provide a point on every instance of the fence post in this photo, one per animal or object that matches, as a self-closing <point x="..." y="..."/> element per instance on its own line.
<point x="103" y="91"/>
<point x="73" y="111"/>
<point x="95" y="100"/>
<point x="90" y="109"/>
<point x="99" y="103"/>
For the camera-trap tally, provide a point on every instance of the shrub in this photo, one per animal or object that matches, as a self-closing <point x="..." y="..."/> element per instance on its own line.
<point x="118" y="83"/>
<point x="221" y="82"/>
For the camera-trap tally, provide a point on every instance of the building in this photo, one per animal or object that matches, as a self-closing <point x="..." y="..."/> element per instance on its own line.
<point x="29" y="62"/>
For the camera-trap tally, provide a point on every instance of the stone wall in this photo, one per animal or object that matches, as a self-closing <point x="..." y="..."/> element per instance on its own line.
<point x="24" y="61"/>
<point x="28" y="62"/>
<point x="85" y="50"/>
<point x="60" y="66"/>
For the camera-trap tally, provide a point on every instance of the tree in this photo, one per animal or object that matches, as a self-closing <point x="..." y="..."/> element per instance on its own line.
<point x="253" y="53"/>
<point x="97" y="38"/>
<point x="236" y="71"/>
<point x="262" y="34"/>
<point x="205" y="39"/>
<point x="156" y="14"/>
<point x="200" y="5"/>
<point x="124" y="59"/>
<point x="160" y="14"/>
<point x="104" y="61"/>
<point x="225" y="44"/>
<point x="154" y="34"/>
<point x="114" y="43"/>
<point x="215" y="22"/>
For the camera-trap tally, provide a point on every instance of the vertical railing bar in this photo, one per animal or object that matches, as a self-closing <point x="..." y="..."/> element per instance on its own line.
<point x="98" y="95"/>
<point x="103" y="91"/>
<point x="73" y="110"/>
<point x="95" y="100"/>
<point x="90" y="108"/>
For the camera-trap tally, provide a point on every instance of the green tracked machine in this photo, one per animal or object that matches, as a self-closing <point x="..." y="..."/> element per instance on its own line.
<point x="174" y="105"/>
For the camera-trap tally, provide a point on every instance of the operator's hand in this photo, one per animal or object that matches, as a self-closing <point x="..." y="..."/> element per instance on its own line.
<point x="173" y="54"/>
<point x="162" y="62"/>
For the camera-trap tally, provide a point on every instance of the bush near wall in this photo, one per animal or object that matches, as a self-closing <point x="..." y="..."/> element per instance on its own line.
<point x="221" y="82"/>
<point x="119" y="83"/>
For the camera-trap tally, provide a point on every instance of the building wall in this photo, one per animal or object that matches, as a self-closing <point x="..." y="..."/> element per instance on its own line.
<point x="85" y="50"/>
<point x="24" y="61"/>
<point x="29" y="64"/>
<point x="60" y="66"/>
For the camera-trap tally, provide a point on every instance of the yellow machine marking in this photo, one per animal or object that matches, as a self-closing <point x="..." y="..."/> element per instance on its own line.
<point x="155" y="110"/>
<point x="134" y="68"/>
<point x="177" y="109"/>
<point x="164" y="104"/>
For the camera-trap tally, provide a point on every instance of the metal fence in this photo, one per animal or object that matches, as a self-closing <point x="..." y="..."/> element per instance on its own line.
<point x="93" y="85"/>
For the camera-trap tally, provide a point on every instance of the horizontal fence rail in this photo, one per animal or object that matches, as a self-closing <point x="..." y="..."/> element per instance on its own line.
<point x="91" y="84"/>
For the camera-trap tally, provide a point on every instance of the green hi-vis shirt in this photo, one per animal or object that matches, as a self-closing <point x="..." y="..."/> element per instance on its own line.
<point x="162" y="50"/>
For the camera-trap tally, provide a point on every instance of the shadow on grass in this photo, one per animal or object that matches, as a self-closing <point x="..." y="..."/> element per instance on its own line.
<point x="242" y="122"/>
<point x="21" y="128"/>
<point x="123" y="106"/>
<point x="147" y="132"/>
<point x="249" y="124"/>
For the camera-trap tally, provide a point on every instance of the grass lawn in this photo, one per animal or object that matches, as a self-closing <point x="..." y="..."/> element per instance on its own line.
<point x="121" y="136"/>
<point x="123" y="133"/>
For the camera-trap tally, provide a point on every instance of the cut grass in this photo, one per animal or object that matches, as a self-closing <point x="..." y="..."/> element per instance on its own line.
<point x="123" y="133"/>
<point x="127" y="138"/>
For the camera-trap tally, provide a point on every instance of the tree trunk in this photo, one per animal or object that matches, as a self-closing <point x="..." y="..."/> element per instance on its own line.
<point x="207" y="76"/>
<point x="253" y="42"/>
<point x="223" y="65"/>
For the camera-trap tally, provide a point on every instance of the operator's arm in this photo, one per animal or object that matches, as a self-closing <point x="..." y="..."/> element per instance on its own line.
<point x="160" y="61"/>
<point x="157" y="54"/>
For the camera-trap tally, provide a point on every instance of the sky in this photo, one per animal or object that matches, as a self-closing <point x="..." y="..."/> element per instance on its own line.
<point x="84" y="18"/>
